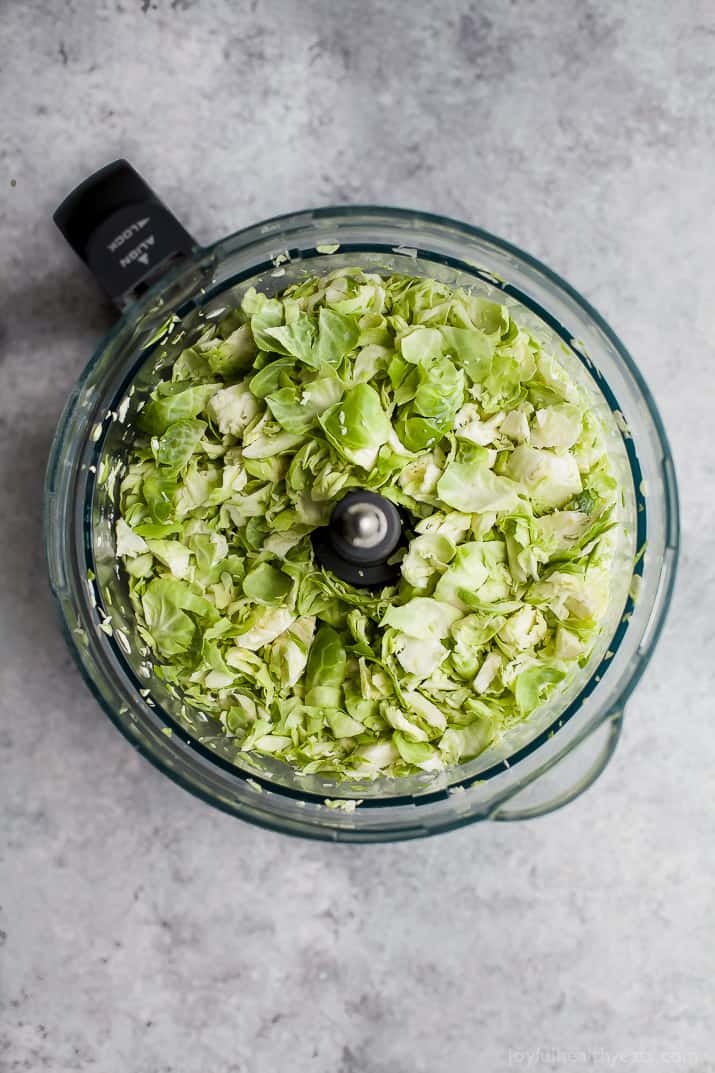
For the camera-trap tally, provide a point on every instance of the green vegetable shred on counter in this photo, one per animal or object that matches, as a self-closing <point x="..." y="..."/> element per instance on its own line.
<point x="441" y="402"/>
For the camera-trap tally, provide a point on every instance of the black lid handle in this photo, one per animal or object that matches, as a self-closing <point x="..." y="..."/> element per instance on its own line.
<point x="122" y="231"/>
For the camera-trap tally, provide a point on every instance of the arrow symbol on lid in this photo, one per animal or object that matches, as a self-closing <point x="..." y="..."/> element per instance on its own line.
<point x="144" y="258"/>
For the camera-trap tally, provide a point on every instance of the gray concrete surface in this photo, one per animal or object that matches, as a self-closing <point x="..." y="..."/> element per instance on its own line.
<point x="144" y="932"/>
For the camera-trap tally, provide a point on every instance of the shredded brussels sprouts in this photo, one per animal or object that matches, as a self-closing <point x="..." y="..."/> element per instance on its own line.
<point x="440" y="401"/>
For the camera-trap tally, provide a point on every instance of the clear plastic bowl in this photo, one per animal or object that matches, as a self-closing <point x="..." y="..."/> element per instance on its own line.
<point x="536" y="767"/>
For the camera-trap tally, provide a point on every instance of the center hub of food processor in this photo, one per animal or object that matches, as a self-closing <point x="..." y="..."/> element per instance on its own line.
<point x="362" y="535"/>
<point x="364" y="525"/>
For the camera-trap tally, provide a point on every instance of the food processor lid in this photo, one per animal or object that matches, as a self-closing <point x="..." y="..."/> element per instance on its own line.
<point x="122" y="231"/>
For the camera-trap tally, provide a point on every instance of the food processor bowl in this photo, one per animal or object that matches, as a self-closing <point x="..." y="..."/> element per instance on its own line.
<point x="534" y="767"/>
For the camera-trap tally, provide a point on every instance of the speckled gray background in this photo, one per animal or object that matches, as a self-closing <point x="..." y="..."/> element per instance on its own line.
<point x="144" y="932"/>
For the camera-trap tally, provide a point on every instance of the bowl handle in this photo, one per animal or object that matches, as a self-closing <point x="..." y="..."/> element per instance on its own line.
<point x="546" y="793"/>
<point x="122" y="231"/>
